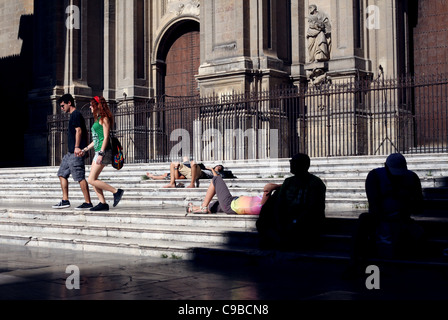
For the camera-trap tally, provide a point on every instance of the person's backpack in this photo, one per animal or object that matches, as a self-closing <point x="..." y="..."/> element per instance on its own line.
<point x="117" y="153"/>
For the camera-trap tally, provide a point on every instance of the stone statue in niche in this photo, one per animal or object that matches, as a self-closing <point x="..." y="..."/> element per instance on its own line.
<point x="319" y="47"/>
<point x="318" y="35"/>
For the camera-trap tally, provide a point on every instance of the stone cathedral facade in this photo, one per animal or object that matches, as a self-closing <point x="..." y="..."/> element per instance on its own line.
<point x="143" y="49"/>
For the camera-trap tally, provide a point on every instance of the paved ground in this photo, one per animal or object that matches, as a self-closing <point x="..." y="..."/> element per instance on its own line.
<point x="40" y="273"/>
<point x="175" y="287"/>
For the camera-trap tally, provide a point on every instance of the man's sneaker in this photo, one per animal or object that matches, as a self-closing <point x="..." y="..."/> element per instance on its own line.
<point x="100" y="207"/>
<point x="84" y="206"/>
<point x="62" y="205"/>
<point x="117" y="196"/>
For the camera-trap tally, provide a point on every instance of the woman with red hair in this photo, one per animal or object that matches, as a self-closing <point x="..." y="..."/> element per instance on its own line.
<point x="103" y="155"/>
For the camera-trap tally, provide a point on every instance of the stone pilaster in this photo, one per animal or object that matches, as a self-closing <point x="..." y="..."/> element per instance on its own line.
<point x="131" y="74"/>
<point x="240" y="47"/>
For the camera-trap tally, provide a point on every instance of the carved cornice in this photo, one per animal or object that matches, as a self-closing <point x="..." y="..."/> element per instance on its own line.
<point x="184" y="7"/>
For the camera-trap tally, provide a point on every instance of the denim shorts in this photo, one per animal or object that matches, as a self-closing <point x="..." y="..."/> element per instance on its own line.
<point x="107" y="159"/>
<point x="73" y="165"/>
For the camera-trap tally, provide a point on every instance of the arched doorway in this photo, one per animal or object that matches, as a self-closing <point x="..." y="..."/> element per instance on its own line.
<point x="179" y="60"/>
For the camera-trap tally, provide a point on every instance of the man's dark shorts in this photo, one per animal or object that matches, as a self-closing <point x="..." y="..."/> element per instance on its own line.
<point x="73" y="165"/>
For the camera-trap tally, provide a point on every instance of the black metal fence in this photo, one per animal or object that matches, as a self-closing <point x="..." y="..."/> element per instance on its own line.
<point x="408" y="115"/>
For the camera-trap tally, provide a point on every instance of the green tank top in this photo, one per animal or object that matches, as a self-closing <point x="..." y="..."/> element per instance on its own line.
<point x="97" y="135"/>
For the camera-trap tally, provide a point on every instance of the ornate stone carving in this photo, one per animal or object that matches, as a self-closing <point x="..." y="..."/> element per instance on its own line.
<point x="183" y="7"/>
<point x="318" y="76"/>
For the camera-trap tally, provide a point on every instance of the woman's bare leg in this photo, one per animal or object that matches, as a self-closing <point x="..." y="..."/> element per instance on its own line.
<point x="174" y="174"/>
<point x="209" y="195"/>
<point x="154" y="177"/>
<point x="98" y="185"/>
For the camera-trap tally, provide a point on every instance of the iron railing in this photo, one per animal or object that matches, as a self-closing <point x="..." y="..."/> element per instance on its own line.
<point x="408" y="115"/>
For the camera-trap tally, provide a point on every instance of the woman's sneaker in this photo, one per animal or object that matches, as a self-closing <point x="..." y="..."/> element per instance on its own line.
<point x="117" y="196"/>
<point x="62" y="205"/>
<point x="100" y="207"/>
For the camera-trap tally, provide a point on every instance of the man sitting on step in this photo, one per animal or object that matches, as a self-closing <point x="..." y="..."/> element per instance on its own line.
<point x="178" y="170"/>
<point x="293" y="217"/>
<point x="394" y="194"/>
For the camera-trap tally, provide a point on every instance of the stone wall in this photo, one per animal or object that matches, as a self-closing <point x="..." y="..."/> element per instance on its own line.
<point x="11" y="12"/>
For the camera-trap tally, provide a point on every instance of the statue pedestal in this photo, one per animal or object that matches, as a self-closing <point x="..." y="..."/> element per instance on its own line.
<point x="316" y="72"/>
<point x="333" y="111"/>
<point x="316" y="65"/>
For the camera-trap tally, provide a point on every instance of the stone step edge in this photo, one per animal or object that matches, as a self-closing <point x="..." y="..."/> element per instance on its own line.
<point x="164" y="249"/>
<point x="409" y="156"/>
<point x="154" y="248"/>
<point x="183" y="230"/>
<point x="189" y="252"/>
<point x="169" y="213"/>
<point x="243" y="172"/>
<point x="126" y="227"/>
<point x="142" y="199"/>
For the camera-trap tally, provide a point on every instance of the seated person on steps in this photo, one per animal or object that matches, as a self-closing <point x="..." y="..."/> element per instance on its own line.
<point x="294" y="215"/>
<point x="394" y="194"/>
<point x="192" y="172"/>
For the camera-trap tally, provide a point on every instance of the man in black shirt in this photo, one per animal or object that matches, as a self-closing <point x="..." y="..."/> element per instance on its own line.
<point x="73" y="161"/>
<point x="294" y="216"/>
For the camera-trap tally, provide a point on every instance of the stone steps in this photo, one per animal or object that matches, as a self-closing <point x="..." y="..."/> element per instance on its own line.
<point x="169" y="233"/>
<point x="151" y="232"/>
<point x="140" y="232"/>
<point x="151" y="220"/>
<point x="344" y="177"/>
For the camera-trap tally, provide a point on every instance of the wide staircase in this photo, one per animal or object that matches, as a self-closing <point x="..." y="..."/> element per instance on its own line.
<point x="151" y="220"/>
